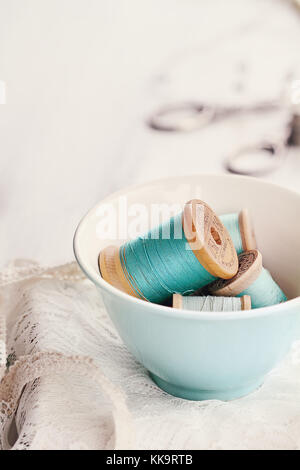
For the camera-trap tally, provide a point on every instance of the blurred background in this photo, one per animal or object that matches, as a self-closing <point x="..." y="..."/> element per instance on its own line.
<point x="84" y="77"/>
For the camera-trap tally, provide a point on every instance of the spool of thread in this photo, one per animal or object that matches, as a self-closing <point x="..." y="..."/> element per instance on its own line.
<point x="196" y="250"/>
<point x="251" y="279"/>
<point x="241" y="230"/>
<point x="211" y="304"/>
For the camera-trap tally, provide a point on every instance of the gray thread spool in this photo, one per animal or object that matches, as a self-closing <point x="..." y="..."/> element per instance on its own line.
<point x="211" y="303"/>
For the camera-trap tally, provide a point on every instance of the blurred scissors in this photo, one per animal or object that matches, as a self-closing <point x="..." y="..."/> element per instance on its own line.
<point x="190" y="116"/>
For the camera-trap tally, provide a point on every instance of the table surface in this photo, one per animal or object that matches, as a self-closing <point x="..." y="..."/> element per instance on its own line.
<point x="80" y="79"/>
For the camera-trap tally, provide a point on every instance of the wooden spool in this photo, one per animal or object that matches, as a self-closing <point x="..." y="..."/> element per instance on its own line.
<point x="209" y="240"/>
<point x="177" y="301"/>
<point x="111" y="270"/>
<point x="207" y="237"/>
<point x="245" y="302"/>
<point x="250" y="266"/>
<point x="247" y="231"/>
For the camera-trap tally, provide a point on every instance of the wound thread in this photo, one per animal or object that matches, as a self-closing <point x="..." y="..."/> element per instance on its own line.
<point x="211" y="303"/>
<point x="231" y="222"/>
<point x="264" y="291"/>
<point x="161" y="263"/>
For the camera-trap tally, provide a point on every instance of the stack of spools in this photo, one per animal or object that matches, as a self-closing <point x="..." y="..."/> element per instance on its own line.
<point x="201" y="261"/>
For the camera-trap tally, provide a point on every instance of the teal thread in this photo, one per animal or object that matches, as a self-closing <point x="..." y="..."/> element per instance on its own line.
<point x="231" y="222"/>
<point x="158" y="264"/>
<point x="211" y="303"/>
<point x="264" y="291"/>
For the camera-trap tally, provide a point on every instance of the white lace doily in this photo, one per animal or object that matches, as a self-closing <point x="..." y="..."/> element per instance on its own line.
<point x="68" y="382"/>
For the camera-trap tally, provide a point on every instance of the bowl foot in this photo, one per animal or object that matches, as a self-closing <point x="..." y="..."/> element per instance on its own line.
<point x="198" y="395"/>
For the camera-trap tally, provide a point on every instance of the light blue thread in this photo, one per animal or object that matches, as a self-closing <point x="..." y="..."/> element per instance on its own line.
<point x="211" y="303"/>
<point x="158" y="267"/>
<point x="264" y="291"/>
<point x="231" y="222"/>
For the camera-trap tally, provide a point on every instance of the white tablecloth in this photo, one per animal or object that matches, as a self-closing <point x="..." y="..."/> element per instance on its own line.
<point x="84" y="390"/>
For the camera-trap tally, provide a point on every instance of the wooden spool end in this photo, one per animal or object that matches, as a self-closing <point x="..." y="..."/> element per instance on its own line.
<point x="209" y="239"/>
<point x="247" y="231"/>
<point x="250" y="266"/>
<point x="111" y="270"/>
<point x="246" y="302"/>
<point x="177" y="301"/>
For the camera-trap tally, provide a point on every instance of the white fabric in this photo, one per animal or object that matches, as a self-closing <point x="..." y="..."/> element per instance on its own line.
<point x="84" y="390"/>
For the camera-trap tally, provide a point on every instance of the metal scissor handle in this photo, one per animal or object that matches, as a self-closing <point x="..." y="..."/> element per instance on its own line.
<point x="270" y="154"/>
<point x="182" y="117"/>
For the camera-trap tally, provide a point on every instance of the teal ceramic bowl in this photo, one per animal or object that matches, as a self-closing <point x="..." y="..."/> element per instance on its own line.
<point x="194" y="355"/>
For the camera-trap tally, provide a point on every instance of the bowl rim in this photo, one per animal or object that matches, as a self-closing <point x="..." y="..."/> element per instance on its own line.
<point x="165" y="310"/>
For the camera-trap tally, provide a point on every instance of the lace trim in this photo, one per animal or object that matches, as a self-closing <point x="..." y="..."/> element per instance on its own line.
<point x="21" y="270"/>
<point x="2" y="346"/>
<point x="28" y="369"/>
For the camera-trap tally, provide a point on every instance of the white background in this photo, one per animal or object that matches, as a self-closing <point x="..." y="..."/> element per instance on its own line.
<point x="82" y="76"/>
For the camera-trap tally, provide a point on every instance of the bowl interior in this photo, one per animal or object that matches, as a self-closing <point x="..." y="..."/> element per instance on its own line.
<point x="274" y="210"/>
